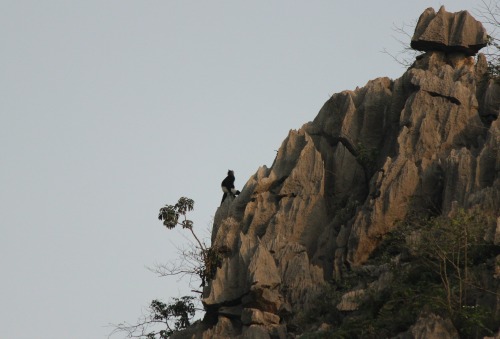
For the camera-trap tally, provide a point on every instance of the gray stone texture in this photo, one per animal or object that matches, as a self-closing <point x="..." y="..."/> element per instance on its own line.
<point x="342" y="181"/>
<point x="449" y="32"/>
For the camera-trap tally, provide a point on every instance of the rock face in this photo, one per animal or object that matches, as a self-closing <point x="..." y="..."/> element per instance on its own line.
<point x="340" y="183"/>
<point x="449" y="32"/>
<point x="431" y="327"/>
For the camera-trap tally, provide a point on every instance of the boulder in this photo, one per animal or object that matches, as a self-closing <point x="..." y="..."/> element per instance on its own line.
<point x="449" y="32"/>
<point x="350" y="301"/>
<point x="254" y="316"/>
<point x="255" y="332"/>
<point x="431" y="327"/>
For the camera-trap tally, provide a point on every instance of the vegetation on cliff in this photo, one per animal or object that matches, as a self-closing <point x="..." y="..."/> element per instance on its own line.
<point x="435" y="265"/>
<point x="378" y="218"/>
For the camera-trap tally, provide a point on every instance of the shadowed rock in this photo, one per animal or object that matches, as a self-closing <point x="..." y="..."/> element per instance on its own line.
<point x="449" y="32"/>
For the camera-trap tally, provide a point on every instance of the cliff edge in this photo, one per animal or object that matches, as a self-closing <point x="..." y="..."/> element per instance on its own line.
<point x="427" y="143"/>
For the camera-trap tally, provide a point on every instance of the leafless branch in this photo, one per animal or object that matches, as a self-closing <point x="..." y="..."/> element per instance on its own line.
<point x="406" y="55"/>
<point x="489" y="13"/>
<point x="144" y="325"/>
<point x="188" y="263"/>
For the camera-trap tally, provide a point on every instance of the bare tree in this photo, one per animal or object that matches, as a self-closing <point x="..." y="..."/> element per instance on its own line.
<point x="489" y="14"/>
<point x="406" y="55"/>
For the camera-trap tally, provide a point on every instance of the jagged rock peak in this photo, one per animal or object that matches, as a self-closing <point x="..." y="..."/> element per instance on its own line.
<point x="449" y="32"/>
<point x="427" y="143"/>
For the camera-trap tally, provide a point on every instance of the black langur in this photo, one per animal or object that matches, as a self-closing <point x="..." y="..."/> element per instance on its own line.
<point x="228" y="186"/>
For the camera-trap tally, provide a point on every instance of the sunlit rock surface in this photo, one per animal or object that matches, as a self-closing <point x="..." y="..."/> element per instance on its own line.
<point x="428" y="140"/>
<point x="449" y="32"/>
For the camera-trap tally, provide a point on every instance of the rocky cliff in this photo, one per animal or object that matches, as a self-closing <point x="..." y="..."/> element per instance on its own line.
<point x="427" y="143"/>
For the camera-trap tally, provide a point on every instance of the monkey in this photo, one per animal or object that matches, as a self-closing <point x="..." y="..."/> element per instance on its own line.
<point x="227" y="186"/>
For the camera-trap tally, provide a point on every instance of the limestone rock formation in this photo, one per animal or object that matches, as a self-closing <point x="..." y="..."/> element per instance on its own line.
<point x="429" y="140"/>
<point x="449" y="32"/>
<point x="430" y="326"/>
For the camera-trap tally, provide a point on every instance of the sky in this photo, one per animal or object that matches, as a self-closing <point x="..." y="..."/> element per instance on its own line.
<point x="111" y="109"/>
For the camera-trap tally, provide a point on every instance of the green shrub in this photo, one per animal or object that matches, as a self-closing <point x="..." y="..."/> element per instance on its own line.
<point x="439" y="275"/>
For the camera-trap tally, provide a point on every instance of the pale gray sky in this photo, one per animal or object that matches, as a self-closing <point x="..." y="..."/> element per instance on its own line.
<point x="110" y="109"/>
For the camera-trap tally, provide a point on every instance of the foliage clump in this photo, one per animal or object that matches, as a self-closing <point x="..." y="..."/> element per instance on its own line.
<point x="162" y="320"/>
<point x="367" y="156"/>
<point x="170" y="214"/>
<point x="181" y="310"/>
<point x="437" y="266"/>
